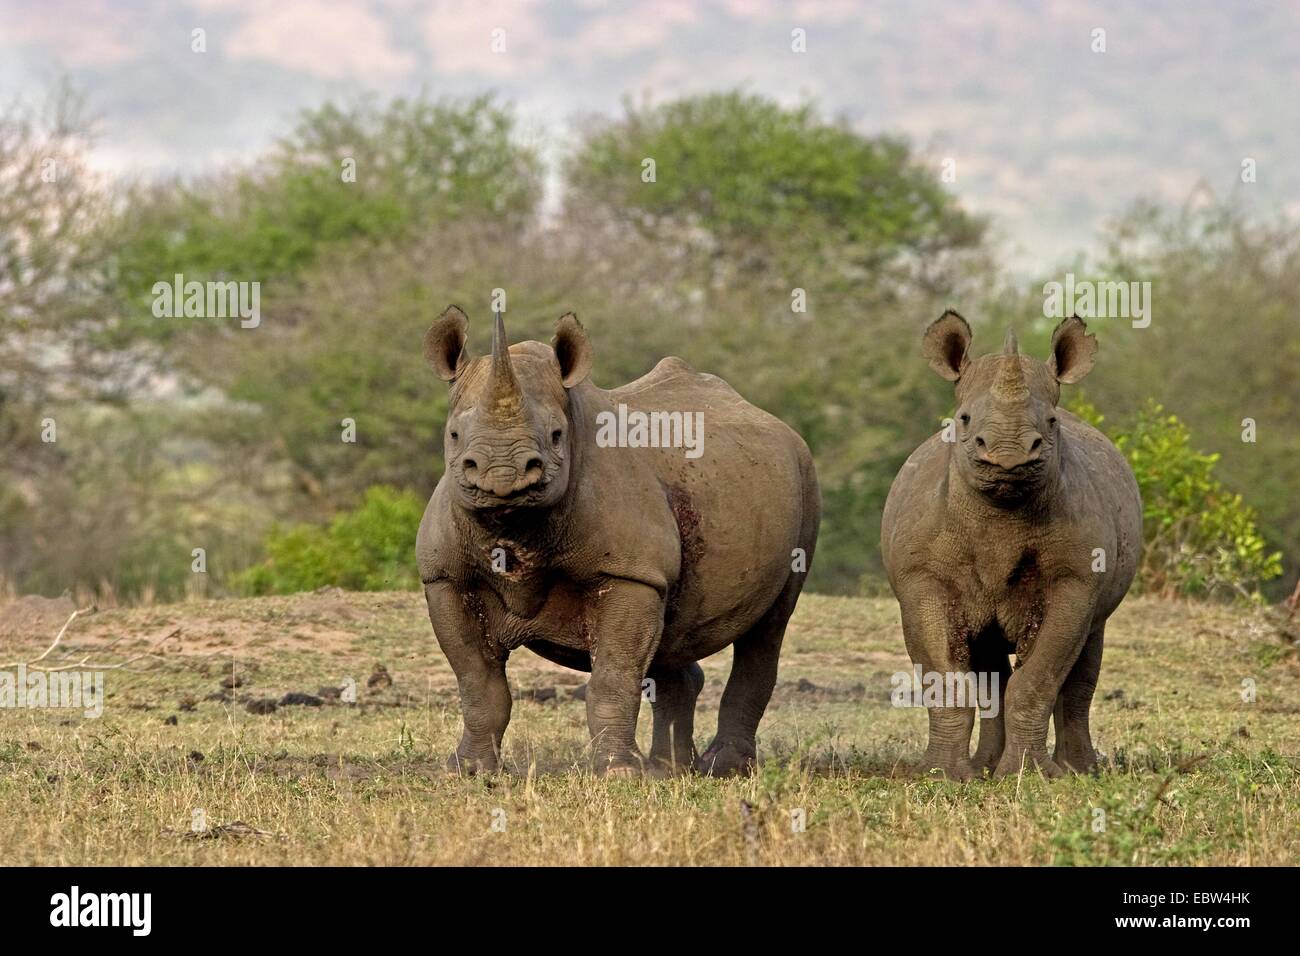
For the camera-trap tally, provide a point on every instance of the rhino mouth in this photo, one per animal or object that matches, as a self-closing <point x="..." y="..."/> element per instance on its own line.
<point x="520" y="498"/>
<point x="1009" y="484"/>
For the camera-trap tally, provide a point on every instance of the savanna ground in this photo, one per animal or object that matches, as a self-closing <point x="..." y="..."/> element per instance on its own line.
<point x="1193" y="773"/>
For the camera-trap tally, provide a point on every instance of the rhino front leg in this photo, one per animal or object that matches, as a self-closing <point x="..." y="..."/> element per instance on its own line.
<point x="1073" y="737"/>
<point x="629" y="623"/>
<point x="939" y="645"/>
<point x="480" y="679"/>
<point x="1033" y="688"/>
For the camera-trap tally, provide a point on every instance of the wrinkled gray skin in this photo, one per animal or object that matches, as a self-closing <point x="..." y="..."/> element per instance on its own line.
<point x="630" y="563"/>
<point x="988" y="541"/>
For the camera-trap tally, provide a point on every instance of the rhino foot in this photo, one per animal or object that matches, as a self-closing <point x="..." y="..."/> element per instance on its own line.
<point x="1011" y="764"/>
<point x="727" y="758"/>
<point x="630" y="766"/>
<point x="1076" y="759"/>
<point x="673" y="766"/>
<point x="960" y="769"/>
<point x="622" y="771"/>
<point x="470" y="764"/>
<point x="985" y="762"/>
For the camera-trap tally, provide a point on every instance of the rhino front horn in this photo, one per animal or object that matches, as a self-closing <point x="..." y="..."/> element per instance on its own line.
<point x="506" y="397"/>
<point x="1010" y="384"/>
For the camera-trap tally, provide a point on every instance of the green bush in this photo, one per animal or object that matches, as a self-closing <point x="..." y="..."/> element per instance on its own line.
<point x="1200" y="538"/>
<point x="371" y="548"/>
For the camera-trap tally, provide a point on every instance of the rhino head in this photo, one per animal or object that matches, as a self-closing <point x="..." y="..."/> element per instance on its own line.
<point x="1008" y="429"/>
<point x="509" y="435"/>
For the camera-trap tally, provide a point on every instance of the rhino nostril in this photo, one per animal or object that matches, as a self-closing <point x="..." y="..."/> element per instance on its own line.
<point x="470" y="464"/>
<point x="1038" y="443"/>
<point x="979" y="441"/>
<point x="534" y="464"/>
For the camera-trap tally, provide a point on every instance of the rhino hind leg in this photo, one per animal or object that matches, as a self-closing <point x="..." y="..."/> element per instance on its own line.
<point x="672" y="748"/>
<point x="755" y="655"/>
<point x="989" y="655"/>
<point x="1074" y="749"/>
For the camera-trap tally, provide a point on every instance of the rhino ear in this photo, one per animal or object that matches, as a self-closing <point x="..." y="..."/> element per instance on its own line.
<point x="444" y="343"/>
<point x="946" y="344"/>
<point x="572" y="350"/>
<point x="1073" y="351"/>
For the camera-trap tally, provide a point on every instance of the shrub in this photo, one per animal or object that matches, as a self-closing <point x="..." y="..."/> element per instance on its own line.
<point x="1200" y="538"/>
<point x="371" y="548"/>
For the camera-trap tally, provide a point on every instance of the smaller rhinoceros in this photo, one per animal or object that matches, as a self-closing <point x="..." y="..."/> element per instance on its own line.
<point x="567" y="525"/>
<point x="1017" y="529"/>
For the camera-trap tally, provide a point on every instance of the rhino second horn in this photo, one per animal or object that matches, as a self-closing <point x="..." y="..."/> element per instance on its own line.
<point x="1009" y="344"/>
<point x="1010" y="384"/>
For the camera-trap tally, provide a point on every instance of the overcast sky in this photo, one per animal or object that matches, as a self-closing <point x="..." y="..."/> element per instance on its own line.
<point x="1049" y="137"/>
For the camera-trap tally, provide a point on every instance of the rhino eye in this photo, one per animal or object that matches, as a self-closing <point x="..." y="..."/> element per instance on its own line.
<point x="965" y="419"/>
<point x="455" y="435"/>
<point x="1052" y="421"/>
<point x="556" y="436"/>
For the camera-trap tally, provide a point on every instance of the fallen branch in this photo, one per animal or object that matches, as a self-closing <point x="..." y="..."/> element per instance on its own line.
<point x="35" y="663"/>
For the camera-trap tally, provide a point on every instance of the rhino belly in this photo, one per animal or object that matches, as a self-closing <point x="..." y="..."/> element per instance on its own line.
<point x="571" y="657"/>
<point x="737" y="546"/>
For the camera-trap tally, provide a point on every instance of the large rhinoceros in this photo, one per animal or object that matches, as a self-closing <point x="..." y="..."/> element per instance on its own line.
<point x="564" y="525"/>
<point x="1018" y="531"/>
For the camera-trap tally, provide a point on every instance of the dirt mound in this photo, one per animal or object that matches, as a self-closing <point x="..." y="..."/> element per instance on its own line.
<point x="34" y="616"/>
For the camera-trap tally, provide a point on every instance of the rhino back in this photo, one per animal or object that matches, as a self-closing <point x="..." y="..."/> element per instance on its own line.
<point x="740" y="509"/>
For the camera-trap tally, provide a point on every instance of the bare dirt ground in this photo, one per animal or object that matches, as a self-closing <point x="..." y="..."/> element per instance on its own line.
<point x="238" y="743"/>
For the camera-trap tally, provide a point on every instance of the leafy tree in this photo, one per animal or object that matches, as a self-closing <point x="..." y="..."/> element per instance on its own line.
<point x="52" y="208"/>
<point x="770" y="186"/>
<point x="52" y="211"/>
<point x="345" y="175"/>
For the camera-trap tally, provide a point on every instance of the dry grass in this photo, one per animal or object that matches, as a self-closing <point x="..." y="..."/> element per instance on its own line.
<point x="1195" y="775"/>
